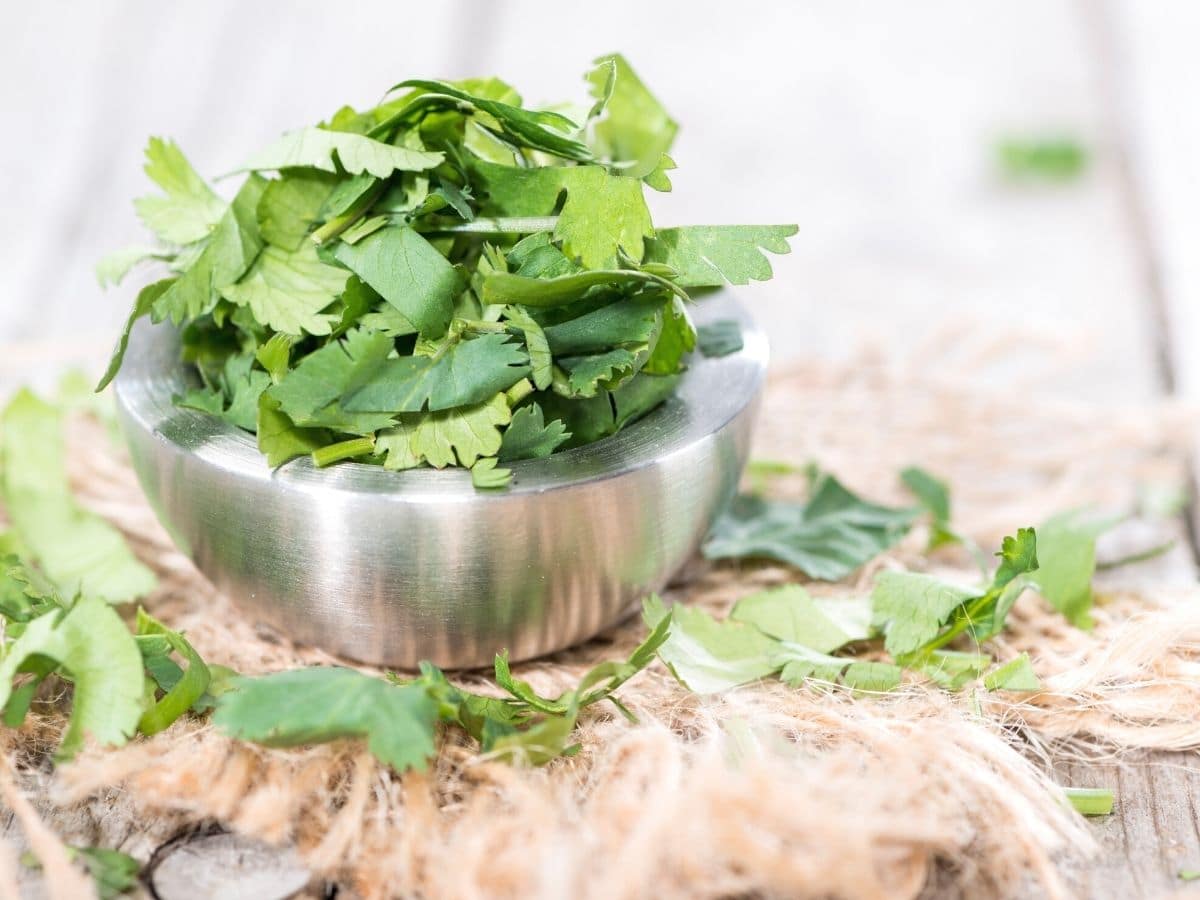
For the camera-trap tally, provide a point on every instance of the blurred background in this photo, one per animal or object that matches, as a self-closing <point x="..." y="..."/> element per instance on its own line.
<point x="878" y="127"/>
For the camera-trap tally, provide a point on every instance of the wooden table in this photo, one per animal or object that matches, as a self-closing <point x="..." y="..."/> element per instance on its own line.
<point x="872" y="125"/>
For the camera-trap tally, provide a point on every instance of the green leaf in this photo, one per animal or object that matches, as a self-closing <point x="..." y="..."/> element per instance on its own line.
<point x="1067" y="551"/>
<point x="587" y="375"/>
<point x="635" y="131"/>
<point x="932" y="493"/>
<point x="629" y="323"/>
<point x="93" y="646"/>
<point x="408" y="273"/>
<point x="186" y="690"/>
<point x="228" y="253"/>
<point x="528" y="128"/>
<point x="711" y="255"/>
<point x="603" y="214"/>
<point x="504" y="287"/>
<point x="145" y="302"/>
<point x="190" y="209"/>
<point x="315" y="148"/>
<point x="911" y="608"/>
<point x="801" y="664"/>
<point x="115" y="873"/>
<point x="463" y="372"/>
<point x="827" y="538"/>
<point x="529" y="436"/>
<point x="291" y="205"/>
<point x="720" y="338"/>
<point x="310" y="395"/>
<point x="1090" y="801"/>
<point x="279" y="439"/>
<point x="485" y="475"/>
<point x="275" y="356"/>
<point x="451" y="437"/>
<point x="707" y="655"/>
<point x="790" y="614"/>
<point x="950" y="670"/>
<point x="287" y="290"/>
<point x="113" y="267"/>
<point x="79" y="551"/>
<point x="608" y="412"/>
<point x="541" y="361"/>
<point x="1015" y="675"/>
<point x="318" y="705"/>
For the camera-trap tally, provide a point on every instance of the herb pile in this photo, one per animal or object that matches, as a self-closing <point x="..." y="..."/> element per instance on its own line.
<point x="447" y="279"/>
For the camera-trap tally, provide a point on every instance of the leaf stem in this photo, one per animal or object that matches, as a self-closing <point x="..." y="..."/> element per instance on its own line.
<point x="357" y="210"/>
<point x="327" y="456"/>
<point x="503" y="225"/>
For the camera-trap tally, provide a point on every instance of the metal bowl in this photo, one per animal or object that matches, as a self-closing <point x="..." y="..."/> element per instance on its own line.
<point x="395" y="567"/>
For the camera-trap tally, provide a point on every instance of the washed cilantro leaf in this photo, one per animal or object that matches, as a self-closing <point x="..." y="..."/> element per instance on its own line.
<point x="1067" y="548"/>
<point x="291" y="206"/>
<point x="113" y="267"/>
<point x="633" y="132"/>
<point x="408" y="272"/>
<point x="911" y="608"/>
<point x="228" y="253"/>
<point x="280" y="439"/>
<point x="79" y="551"/>
<point x="790" y="614"/>
<point x="801" y="665"/>
<point x="827" y="538"/>
<point x="309" y="706"/>
<point x="485" y="244"/>
<point x="185" y="690"/>
<point x="719" y="338"/>
<point x="461" y="372"/>
<point x="1015" y="675"/>
<point x="711" y="255"/>
<point x="91" y="644"/>
<point x="189" y="210"/>
<point x="486" y="475"/>
<point x="529" y="436"/>
<point x="316" y="148"/>
<point x="451" y="437"/>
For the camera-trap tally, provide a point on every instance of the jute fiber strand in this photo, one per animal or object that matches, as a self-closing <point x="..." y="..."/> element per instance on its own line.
<point x="765" y="790"/>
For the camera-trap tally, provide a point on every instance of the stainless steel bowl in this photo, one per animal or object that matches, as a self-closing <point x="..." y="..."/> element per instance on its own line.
<point x="395" y="567"/>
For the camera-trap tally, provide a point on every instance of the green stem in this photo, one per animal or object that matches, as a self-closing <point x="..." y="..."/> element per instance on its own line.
<point x="964" y="622"/>
<point x="1140" y="556"/>
<point x="505" y="225"/>
<point x="519" y="391"/>
<point x="327" y="456"/>
<point x="339" y="224"/>
<point x="1090" y="801"/>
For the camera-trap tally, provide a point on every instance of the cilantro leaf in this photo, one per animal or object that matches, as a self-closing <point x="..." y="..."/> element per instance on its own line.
<point x="187" y="688"/>
<point x="1015" y="675"/>
<point x="505" y="287"/>
<point x="1067" y="550"/>
<point x="145" y="302"/>
<point x="95" y="649"/>
<point x="527" y="128"/>
<point x="529" y="436"/>
<point x="635" y="131"/>
<point x="310" y="393"/>
<point x="314" y="705"/>
<point x="486" y="475"/>
<point x="719" y="338"/>
<point x="291" y="205"/>
<point x="190" y="209"/>
<point x="790" y="614"/>
<point x="280" y="439"/>
<point x="287" y="290"/>
<point x="802" y="664"/>
<point x="316" y="148"/>
<point x="462" y="372"/>
<point x="626" y="323"/>
<point x="827" y="538"/>
<point x="537" y="346"/>
<point x="228" y="252"/>
<point x="911" y="608"/>
<point x="711" y="255"/>
<point x="79" y="551"/>
<point x="451" y="437"/>
<point x="409" y="274"/>
<point x="114" y="266"/>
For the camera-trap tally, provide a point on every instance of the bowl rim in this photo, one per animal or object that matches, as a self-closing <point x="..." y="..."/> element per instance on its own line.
<point x="711" y="393"/>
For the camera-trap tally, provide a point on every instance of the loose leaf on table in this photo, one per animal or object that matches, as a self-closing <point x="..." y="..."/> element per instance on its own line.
<point x="183" y="688"/>
<point x="1015" y="675"/>
<point x="316" y="148"/>
<point x="790" y="613"/>
<point x="713" y="255"/>
<point x="91" y="644"/>
<point x="79" y="551"/>
<point x="1067" y="549"/>
<point x="188" y="209"/>
<point x="827" y="538"/>
<point x="314" y="705"/>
